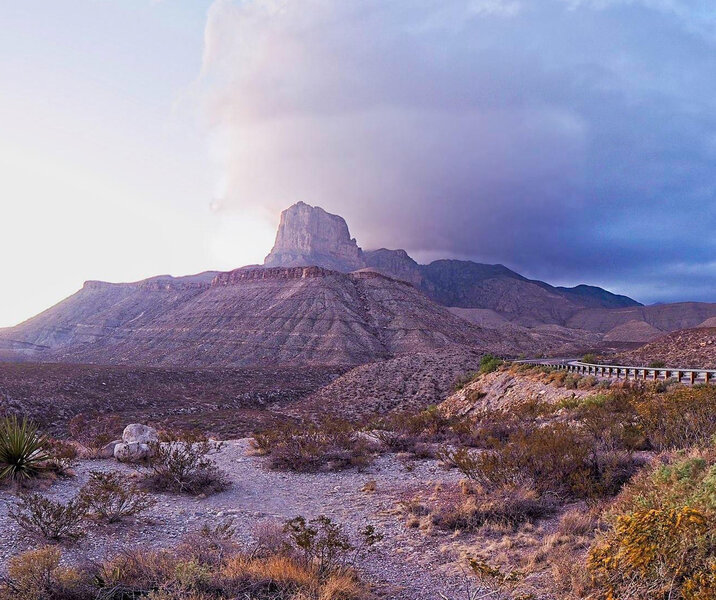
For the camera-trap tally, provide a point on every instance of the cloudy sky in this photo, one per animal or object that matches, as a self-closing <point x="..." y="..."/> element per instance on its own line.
<point x="572" y="140"/>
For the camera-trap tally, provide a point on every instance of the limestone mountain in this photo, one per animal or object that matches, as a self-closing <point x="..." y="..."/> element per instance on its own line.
<point x="322" y="300"/>
<point x="310" y="236"/>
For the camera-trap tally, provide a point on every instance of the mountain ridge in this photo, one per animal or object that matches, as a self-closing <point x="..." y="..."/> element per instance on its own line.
<point x="310" y="235"/>
<point x="315" y="314"/>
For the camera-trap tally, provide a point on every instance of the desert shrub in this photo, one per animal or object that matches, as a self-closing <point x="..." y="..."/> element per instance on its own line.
<point x="493" y="428"/>
<point x="210" y="571"/>
<point x="110" y="497"/>
<point x="494" y="582"/>
<point x="570" y="381"/>
<point x="508" y="506"/>
<point x="611" y="421"/>
<point x="48" y="518"/>
<point x="61" y="450"/>
<point x="325" y="546"/>
<point x="62" y="456"/>
<point x="463" y="460"/>
<point x="557" y="377"/>
<point x="37" y="575"/>
<point x="680" y="418"/>
<point x="475" y="395"/>
<point x="657" y="364"/>
<point x="489" y="364"/>
<point x="22" y="449"/>
<point x="135" y="574"/>
<point x="211" y="544"/>
<point x="577" y="522"/>
<point x="662" y="541"/>
<point x="330" y="445"/>
<point x="490" y="428"/>
<point x="183" y="466"/>
<point x="415" y="432"/>
<point x="587" y="382"/>
<point x="95" y="431"/>
<point x="590" y="359"/>
<point x="311" y="563"/>
<point x="556" y="458"/>
<point x="604" y="384"/>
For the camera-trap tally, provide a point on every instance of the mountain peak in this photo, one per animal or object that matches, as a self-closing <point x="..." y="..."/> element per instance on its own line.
<point x="308" y="235"/>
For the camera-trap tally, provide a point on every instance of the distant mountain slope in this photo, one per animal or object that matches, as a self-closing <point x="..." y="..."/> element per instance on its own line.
<point x="633" y="331"/>
<point x="663" y="317"/>
<point x="326" y="301"/>
<point x="689" y="348"/>
<point x="596" y="297"/>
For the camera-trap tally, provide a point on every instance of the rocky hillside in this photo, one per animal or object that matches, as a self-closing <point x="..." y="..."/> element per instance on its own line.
<point x="506" y="388"/>
<point x="248" y="317"/>
<point x="689" y="348"/>
<point x="408" y="382"/>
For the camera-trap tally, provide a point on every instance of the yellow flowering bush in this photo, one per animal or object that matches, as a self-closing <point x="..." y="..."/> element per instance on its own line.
<point x="662" y="543"/>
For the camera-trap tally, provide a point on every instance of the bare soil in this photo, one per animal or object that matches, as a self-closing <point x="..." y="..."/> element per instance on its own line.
<point x="409" y="564"/>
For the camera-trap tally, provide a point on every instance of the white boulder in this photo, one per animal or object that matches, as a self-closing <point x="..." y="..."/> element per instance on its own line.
<point x="137" y="433"/>
<point x="132" y="453"/>
<point x="135" y="445"/>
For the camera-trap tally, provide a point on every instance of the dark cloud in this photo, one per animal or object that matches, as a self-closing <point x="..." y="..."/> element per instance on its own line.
<point x="573" y="141"/>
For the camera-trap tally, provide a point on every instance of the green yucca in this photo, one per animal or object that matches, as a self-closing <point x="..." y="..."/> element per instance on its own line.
<point x="22" y="449"/>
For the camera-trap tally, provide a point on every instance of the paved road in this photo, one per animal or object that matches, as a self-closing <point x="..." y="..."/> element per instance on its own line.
<point x="604" y="371"/>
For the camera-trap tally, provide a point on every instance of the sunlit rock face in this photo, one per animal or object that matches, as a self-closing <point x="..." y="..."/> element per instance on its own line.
<point x="309" y="235"/>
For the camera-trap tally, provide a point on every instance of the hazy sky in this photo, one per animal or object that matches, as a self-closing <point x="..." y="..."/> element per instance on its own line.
<point x="572" y="140"/>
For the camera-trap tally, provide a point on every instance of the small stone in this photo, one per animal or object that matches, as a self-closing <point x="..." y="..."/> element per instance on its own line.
<point x="107" y="451"/>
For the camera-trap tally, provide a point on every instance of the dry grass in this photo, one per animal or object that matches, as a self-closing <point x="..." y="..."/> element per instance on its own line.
<point x="210" y="566"/>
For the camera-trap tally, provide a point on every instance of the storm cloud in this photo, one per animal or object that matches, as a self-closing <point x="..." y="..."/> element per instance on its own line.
<point x="570" y="140"/>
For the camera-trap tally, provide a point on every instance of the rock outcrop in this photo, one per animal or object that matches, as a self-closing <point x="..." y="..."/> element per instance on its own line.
<point x="505" y="389"/>
<point x="308" y="235"/>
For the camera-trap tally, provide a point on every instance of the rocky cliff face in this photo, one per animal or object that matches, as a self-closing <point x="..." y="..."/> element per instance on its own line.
<point x="308" y="235"/>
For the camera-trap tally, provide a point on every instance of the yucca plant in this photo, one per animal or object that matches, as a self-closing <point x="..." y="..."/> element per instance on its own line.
<point x="22" y="449"/>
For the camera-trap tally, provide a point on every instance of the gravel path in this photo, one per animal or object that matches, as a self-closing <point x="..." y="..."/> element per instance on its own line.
<point x="407" y="565"/>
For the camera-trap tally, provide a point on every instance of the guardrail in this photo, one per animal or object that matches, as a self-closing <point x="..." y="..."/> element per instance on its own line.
<point x="691" y="376"/>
